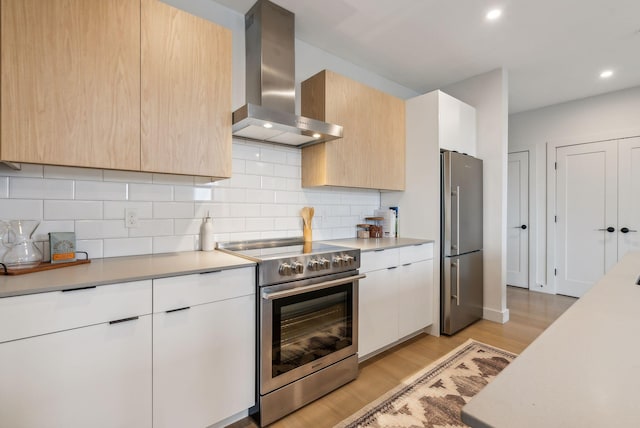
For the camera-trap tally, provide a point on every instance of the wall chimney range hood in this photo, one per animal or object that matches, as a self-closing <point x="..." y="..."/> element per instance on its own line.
<point x="269" y="114"/>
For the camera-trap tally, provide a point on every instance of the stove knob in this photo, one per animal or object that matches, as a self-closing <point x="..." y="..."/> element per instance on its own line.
<point x="314" y="265"/>
<point x="348" y="260"/>
<point x="324" y="263"/>
<point x="338" y="261"/>
<point x="297" y="267"/>
<point x="285" y="269"/>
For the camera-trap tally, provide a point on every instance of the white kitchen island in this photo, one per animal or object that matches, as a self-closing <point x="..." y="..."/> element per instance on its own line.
<point x="583" y="371"/>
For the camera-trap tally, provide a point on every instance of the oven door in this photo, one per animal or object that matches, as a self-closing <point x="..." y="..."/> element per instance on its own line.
<point x="306" y="326"/>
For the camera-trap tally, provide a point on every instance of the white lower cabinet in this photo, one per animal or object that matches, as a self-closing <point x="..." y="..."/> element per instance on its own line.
<point x="396" y="297"/>
<point x="203" y="353"/>
<point x="89" y="376"/>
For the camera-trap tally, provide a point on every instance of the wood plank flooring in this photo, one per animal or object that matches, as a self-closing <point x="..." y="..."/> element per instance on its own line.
<point x="530" y="313"/>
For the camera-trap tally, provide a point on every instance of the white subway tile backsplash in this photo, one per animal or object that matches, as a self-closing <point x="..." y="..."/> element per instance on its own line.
<point x="4" y="187"/>
<point x="171" y="244"/>
<point x="189" y="227"/>
<point x="259" y="224"/>
<point x="101" y="229"/>
<point x="152" y="228"/>
<point x="26" y="170"/>
<point x="39" y="188"/>
<point x="193" y="193"/>
<point x="244" y="210"/>
<point x="127" y="247"/>
<point x="93" y="247"/>
<point x="116" y="209"/>
<point x="274" y="183"/>
<point x="13" y="209"/>
<point x="72" y="173"/>
<point x="262" y="200"/>
<point x="72" y="210"/>
<point x="127" y="176"/>
<point x="100" y="190"/>
<point x="245" y="181"/>
<point x="42" y="231"/>
<point x="273" y="210"/>
<point x="245" y="151"/>
<point x="150" y="192"/>
<point x="173" y="210"/>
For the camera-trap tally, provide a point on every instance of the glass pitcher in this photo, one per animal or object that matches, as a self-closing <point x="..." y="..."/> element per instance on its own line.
<point x="22" y="252"/>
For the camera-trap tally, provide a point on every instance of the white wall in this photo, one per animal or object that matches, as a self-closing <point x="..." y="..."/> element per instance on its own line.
<point x="488" y="93"/>
<point x="603" y="117"/>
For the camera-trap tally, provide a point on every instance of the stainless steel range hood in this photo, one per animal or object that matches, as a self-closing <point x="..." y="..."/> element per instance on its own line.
<point x="269" y="114"/>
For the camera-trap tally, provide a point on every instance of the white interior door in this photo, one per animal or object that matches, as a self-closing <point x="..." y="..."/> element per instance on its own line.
<point x="518" y="220"/>
<point x="628" y="196"/>
<point x="586" y="207"/>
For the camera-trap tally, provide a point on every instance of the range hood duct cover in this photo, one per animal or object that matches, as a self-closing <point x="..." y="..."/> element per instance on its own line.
<point x="270" y="83"/>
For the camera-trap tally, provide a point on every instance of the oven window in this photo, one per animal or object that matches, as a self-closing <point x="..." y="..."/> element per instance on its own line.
<point x="309" y="326"/>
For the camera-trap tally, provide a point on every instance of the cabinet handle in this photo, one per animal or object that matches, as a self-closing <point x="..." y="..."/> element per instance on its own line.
<point x="392" y="267"/>
<point x="178" y="309"/>
<point x="211" y="271"/>
<point x="407" y="264"/>
<point x="377" y="251"/>
<point x="78" y="289"/>
<point x="123" y="320"/>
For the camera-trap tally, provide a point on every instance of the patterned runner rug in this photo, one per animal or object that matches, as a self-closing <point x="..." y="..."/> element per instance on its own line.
<point x="434" y="397"/>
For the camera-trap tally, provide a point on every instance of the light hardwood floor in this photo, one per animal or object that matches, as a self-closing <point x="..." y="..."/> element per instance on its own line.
<point x="530" y="313"/>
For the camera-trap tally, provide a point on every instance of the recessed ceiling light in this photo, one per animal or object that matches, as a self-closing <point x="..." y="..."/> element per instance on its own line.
<point x="494" y="14"/>
<point x="268" y="125"/>
<point x="606" y="74"/>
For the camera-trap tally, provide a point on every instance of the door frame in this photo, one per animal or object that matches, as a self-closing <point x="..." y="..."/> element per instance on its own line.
<point x="551" y="184"/>
<point x="530" y="216"/>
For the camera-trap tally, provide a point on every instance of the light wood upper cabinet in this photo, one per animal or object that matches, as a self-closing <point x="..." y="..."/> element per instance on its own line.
<point x="71" y="82"/>
<point x="371" y="153"/>
<point x="186" y="93"/>
<point x="115" y="84"/>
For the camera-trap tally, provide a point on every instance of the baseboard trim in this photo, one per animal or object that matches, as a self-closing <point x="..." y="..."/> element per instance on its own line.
<point x="495" y="316"/>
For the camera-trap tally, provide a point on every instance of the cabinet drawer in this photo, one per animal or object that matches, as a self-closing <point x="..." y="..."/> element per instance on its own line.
<point x="378" y="259"/>
<point x="34" y="314"/>
<point x="416" y="253"/>
<point x="188" y="290"/>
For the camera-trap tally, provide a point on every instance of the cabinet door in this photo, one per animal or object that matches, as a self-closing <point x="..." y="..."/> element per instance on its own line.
<point x="186" y="93"/>
<point x="371" y="153"/>
<point x="98" y="376"/>
<point x="415" y="297"/>
<point x="377" y="311"/>
<point x="203" y="363"/>
<point x="71" y="82"/>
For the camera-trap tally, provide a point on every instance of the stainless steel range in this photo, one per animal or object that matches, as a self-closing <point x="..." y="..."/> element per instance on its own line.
<point x="307" y="321"/>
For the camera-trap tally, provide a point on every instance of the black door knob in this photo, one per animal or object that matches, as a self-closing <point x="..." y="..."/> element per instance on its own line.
<point x="611" y="229"/>
<point x="624" y="230"/>
<point x="523" y="227"/>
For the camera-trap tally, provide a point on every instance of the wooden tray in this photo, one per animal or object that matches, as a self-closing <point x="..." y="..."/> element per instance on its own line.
<point x="41" y="267"/>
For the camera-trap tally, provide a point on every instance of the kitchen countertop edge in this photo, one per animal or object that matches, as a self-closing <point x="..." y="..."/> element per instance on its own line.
<point x="373" y="244"/>
<point x="118" y="270"/>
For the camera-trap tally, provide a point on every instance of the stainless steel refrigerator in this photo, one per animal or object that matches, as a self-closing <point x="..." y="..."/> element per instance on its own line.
<point x="461" y="270"/>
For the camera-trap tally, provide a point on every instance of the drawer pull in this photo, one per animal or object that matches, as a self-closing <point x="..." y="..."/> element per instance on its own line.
<point x="377" y="251"/>
<point x="178" y="309"/>
<point x="392" y="267"/>
<point x="123" y="320"/>
<point x="78" y="289"/>
<point x="407" y="264"/>
<point x="211" y="271"/>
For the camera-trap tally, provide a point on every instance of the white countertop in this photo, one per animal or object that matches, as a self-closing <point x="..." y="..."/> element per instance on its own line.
<point x="583" y="371"/>
<point x="119" y="269"/>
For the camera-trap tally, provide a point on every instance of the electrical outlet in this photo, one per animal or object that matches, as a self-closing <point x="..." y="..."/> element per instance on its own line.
<point x="130" y="217"/>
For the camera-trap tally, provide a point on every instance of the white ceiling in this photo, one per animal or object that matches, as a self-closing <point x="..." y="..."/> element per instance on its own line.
<point x="554" y="50"/>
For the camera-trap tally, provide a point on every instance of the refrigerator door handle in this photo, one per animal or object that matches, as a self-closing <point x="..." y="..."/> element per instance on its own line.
<point x="458" y="222"/>
<point x="457" y="295"/>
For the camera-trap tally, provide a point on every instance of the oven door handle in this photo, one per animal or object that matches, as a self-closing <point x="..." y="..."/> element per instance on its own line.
<point x="299" y="290"/>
